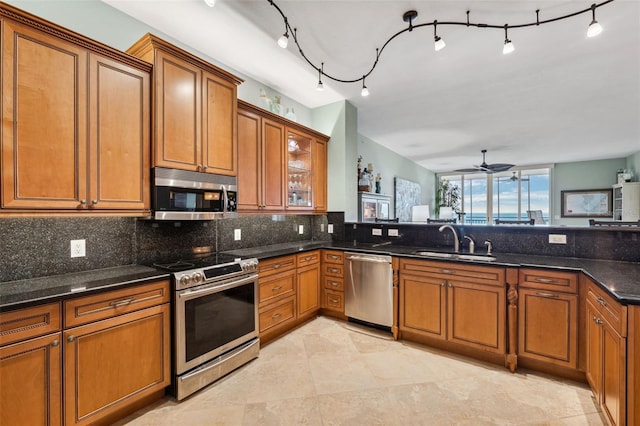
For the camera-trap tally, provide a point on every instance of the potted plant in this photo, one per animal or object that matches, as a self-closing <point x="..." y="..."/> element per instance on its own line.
<point x="447" y="195"/>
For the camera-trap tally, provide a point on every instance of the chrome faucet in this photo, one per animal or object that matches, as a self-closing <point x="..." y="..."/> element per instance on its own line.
<point x="489" y="247"/>
<point x="472" y="244"/>
<point x="456" y="243"/>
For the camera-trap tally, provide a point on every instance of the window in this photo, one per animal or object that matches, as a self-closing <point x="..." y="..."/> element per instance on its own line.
<point x="508" y="195"/>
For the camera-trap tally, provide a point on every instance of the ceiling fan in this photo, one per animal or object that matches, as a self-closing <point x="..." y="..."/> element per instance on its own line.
<point x="488" y="168"/>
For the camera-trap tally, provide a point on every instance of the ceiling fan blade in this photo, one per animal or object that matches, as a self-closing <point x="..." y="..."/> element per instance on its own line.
<point x="467" y="170"/>
<point x="499" y="167"/>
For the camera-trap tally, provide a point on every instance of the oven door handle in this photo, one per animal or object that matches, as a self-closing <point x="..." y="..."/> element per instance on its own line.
<point x="216" y="288"/>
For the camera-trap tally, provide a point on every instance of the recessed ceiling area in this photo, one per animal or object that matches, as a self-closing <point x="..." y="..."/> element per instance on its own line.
<point x="559" y="97"/>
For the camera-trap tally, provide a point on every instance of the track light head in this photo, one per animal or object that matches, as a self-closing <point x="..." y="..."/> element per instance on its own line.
<point x="439" y="43"/>
<point x="508" y="46"/>
<point x="594" y="27"/>
<point x="283" y="41"/>
<point x="210" y="3"/>
<point x="320" y="86"/>
<point x="365" y="92"/>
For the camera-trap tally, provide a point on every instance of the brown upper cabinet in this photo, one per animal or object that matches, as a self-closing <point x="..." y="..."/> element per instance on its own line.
<point x="195" y="110"/>
<point x="75" y="135"/>
<point x="284" y="164"/>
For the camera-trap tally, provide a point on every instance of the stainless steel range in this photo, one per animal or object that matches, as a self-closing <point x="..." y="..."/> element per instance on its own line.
<point x="215" y="318"/>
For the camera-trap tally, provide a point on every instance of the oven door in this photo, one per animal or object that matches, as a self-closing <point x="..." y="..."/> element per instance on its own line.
<point x="214" y="318"/>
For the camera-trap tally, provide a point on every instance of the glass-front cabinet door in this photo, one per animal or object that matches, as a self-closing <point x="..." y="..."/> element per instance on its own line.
<point x="299" y="176"/>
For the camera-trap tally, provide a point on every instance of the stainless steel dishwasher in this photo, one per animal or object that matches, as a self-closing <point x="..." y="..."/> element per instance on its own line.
<point x="369" y="288"/>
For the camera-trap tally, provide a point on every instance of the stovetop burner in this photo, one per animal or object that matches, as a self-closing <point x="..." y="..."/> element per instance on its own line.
<point x="175" y="262"/>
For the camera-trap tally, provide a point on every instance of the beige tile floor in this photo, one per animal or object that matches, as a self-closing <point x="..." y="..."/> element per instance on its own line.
<point x="328" y="372"/>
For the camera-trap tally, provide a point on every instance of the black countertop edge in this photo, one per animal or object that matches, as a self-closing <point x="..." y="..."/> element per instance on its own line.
<point x="620" y="279"/>
<point x="28" y="292"/>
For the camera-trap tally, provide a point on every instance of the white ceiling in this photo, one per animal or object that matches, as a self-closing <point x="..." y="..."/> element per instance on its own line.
<point x="559" y="97"/>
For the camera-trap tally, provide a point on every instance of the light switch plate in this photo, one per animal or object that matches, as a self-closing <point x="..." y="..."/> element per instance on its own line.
<point x="237" y="234"/>
<point x="376" y="231"/>
<point x="330" y="228"/>
<point x="392" y="232"/>
<point x="557" y="239"/>
<point x="300" y="229"/>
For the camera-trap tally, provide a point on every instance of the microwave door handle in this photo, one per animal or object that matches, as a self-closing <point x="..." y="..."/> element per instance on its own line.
<point x="225" y="198"/>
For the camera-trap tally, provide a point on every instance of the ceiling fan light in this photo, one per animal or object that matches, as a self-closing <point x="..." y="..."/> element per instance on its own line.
<point x="594" y="29"/>
<point x="364" y="92"/>
<point x="210" y="3"/>
<point x="283" y="41"/>
<point x="508" y="47"/>
<point x="439" y="43"/>
<point x="320" y="86"/>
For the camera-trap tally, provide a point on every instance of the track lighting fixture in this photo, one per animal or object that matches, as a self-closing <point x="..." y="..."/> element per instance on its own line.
<point x="594" y="28"/>
<point x="283" y="41"/>
<point x="320" y="86"/>
<point x="508" y="46"/>
<point x="210" y="3"/>
<point x="365" y="91"/>
<point x="439" y="43"/>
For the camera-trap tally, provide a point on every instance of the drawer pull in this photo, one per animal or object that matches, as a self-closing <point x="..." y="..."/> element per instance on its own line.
<point x="275" y="316"/>
<point x="447" y="271"/>
<point x="55" y="343"/>
<point x="276" y="288"/>
<point x="334" y="257"/>
<point x="334" y="284"/>
<point x="602" y="301"/>
<point x="544" y="280"/>
<point x="277" y="266"/>
<point x="334" y="270"/>
<point x="122" y="302"/>
<point x="597" y="320"/>
<point x="333" y="300"/>
<point x="547" y="295"/>
<point x="308" y="258"/>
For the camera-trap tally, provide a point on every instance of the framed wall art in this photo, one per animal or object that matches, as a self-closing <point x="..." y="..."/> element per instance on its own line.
<point x="407" y="195"/>
<point x="587" y="203"/>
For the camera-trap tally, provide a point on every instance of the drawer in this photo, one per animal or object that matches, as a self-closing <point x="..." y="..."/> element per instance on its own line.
<point x="276" y="264"/>
<point x="333" y="270"/>
<point x="275" y="287"/>
<point x="333" y="300"/>
<point x="27" y="323"/>
<point x="333" y="283"/>
<point x="613" y="312"/>
<point x="544" y="279"/>
<point x="308" y="258"/>
<point x="333" y="256"/>
<point x="83" y="310"/>
<point x="277" y="313"/>
<point x="490" y="275"/>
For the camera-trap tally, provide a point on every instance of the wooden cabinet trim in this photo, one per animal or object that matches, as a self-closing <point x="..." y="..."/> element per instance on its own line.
<point x="333" y="300"/>
<point x="22" y="324"/>
<point x="451" y="270"/>
<point x="276" y="264"/>
<point x="333" y="256"/>
<point x="308" y="258"/>
<point x="83" y="310"/>
<point x="545" y="279"/>
<point x="612" y="311"/>
<point x="278" y="314"/>
<point x="276" y="286"/>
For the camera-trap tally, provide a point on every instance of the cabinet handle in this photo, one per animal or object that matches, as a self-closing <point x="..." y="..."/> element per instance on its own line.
<point x="277" y="266"/>
<point x="334" y="257"/>
<point x="602" y="301"/>
<point x="442" y="284"/>
<point x="55" y="343"/>
<point x="449" y="285"/>
<point x="447" y="271"/>
<point x="308" y="258"/>
<point x="278" y="315"/>
<point x="334" y="270"/>
<point x="334" y="284"/>
<point x="71" y="338"/>
<point x="122" y="302"/>
<point x="276" y="288"/>
<point x="94" y="202"/>
<point x="597" y="320"/>
<point x="544" y="280"/>
<point x="83" y="202"/>
<point x="333" y="300"/>
<point x="547" y="295"/>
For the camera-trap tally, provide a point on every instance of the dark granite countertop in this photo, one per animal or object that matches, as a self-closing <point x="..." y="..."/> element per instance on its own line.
<point x="22" y="293"/>
<point x="620" y="279"/>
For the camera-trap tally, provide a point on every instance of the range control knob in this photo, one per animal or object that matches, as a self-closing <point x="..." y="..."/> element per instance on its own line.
<point x="184" y="280"/>
<point x="197" y="278"/>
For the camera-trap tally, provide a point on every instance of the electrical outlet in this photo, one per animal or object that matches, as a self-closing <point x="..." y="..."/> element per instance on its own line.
<point x="78" y="248"/>
<point x="322" y="227"/>
<point x="300" y="229"/>
<point x="557" y="239"/>
<point x="237" y="234"/>
<point x="392" y="232"/>
<point x="330" y="228"/>
<point x="376" y="231"/>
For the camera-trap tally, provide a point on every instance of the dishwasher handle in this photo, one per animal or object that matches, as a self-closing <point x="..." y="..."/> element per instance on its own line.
<point x="369" y="259"/>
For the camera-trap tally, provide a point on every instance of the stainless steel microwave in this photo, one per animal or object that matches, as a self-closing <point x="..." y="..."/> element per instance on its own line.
<point x="186" y="195"/>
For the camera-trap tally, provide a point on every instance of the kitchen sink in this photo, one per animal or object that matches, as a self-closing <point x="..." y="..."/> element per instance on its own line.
<point x="441" y="255"/>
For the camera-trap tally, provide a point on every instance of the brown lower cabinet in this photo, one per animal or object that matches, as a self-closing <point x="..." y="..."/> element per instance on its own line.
<point x="109" y="358"/>
<point x="607" y="353"/>
<point x="459" y="304"/>
<point x="333" y="283"/>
